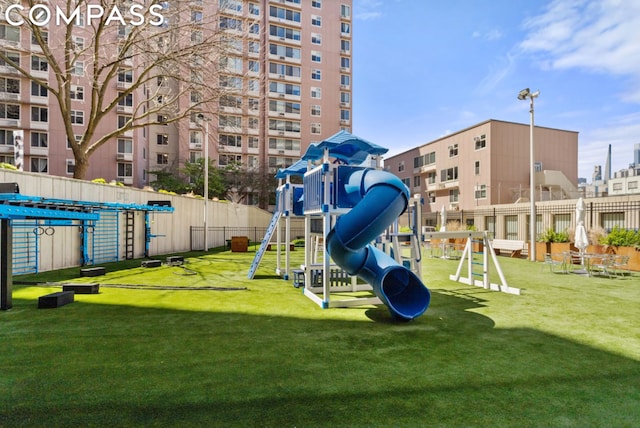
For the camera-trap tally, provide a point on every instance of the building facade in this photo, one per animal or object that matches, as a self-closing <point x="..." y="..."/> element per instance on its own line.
<point x="287" y="80"/>
<point x="488" y="164"/>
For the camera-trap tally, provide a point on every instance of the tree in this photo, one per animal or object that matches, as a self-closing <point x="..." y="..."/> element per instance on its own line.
<point x="163" y="57"/>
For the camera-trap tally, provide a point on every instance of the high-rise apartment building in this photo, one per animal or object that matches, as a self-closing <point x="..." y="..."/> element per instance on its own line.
<point x="286" y="74"/>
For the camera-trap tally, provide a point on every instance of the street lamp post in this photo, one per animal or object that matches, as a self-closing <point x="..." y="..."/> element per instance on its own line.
<point x="523" y="95"/>
<point x="206" y="178"/>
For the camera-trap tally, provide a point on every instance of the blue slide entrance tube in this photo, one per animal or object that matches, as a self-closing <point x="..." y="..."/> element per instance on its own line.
<point x="379" y="198"/>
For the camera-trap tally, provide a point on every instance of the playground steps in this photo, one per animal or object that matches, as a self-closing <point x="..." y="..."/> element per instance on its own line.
<point x="92" y="271"/>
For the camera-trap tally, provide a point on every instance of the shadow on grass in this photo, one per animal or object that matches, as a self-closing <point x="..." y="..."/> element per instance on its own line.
<point x="120" y="365"/>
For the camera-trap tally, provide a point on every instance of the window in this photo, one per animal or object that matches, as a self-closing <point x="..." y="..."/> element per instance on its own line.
<point x="428" y="159"/>
<point x="481" y="191"/>
<point x="162" y="139"/>
<point x="125" y="145"/>
<point x="449" y="174"/>
<point x="401" y="166"/>
<point x="254" y="85"/>
<point x="254" y="66"/>
<point x="126" y="100"/>
<point x="254" y="28"/>
<point x="406" y="182"/>
<point x="230" y="140"/>
<point x="39" y="139"/>
<point x="561" y="222"/>
<point x="195" y="137"/>
<point x="431" y="177"/>
<point x="345" y="62"/>
<point x="233" y="5"/>
<point x="480" y="142"/>
<point x="253" y="142"/>
<point x="416" y="181"/>
<point x="316" y="3"/>
<point x="9" y="33"/>
<point x="39" y="114"/>
<point x="124" y="121"/>
<point x="125" y="77"/>
<point x="345" y="115"/>
<point x="253" y="47"/>
<point x="6" y="137"/>
<point x="231" y="64"/>
<point x="316" y="20"/>
<point x="316" y="39"/>
<point x="286" y="14"/>
<point x="37" y="90"/>
<point x="10" y="86"/>
<point x="284" y="144"/>
<point x="345" y="11"/>
<point x="345" y="28"/>
<point x="125" y="170"/>
<point x="162" y="159"/>
<point x="231" y="101"/>
<point x="617" y="186"/>
<point x="39" y="63"/>
<point x="477" y="167"/>
<point x="77" y="93"/>
<point x="315" y="128"/>
<point x="196" y="18"/>
<point x="254" y="9"/>
<point x="315" y="110"/>
<point x="611" y="220"/>
<point x="632" y="185"/>
<point x="9" y="111"/>
<point x="231" y="82"/>
<point x="39" y="165"/>
<point x="230" y="121"/>
<point x="284" y="88"/>
<point x="253" y="123"/>
<point x="511" y="226"/>
<point x="345" y="80"/>
<point x="254" y="104"/>
<point x="284" y="69"/>
<point x="71" y="166"/>
<point x="431" y="197"/>
<point x="225" y="160"/>
<point x="14" y="57"/>
<point x="453" y="150"/>
<point x="195" y="97"/>
<point x="77" y="117"/>
<point x="345" y="97"/>
<point x="284" y="51"/>
<point x="316" y="93"/>
<point x="345" y="46"/>
<point x="315" y="74"/>
<point x="196" y="37"/>
<point x="316" y="56"/>
<point x="284" y="125"/>
<point x="284" y="107"/>
<point x="78" y="68"/>
<point x="78" y="43"/>
<point x="283" y="32"/>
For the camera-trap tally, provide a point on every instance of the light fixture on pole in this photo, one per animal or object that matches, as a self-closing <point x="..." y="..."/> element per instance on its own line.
<point x="206" y="177"/>
<point x="523" y="95"/>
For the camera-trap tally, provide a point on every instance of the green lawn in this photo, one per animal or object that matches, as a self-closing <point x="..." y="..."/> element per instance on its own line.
<point x="564" y="353"/>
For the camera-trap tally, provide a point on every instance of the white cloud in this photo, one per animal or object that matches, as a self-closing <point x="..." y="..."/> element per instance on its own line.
<point x="365" y="10"/>
<point x="594" y="35"/>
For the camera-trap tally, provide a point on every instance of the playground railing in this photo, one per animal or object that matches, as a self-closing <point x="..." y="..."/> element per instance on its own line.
<point x="220" y="236"/>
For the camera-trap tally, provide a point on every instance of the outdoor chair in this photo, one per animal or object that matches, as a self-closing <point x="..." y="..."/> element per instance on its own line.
<point x="554" y="265"/>
<point x="574" y="260"/>
<point x="602" y="265"/>
<point x="620" y="265"/>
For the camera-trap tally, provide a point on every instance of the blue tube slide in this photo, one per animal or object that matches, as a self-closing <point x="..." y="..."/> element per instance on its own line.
<point x="379" y="198"/>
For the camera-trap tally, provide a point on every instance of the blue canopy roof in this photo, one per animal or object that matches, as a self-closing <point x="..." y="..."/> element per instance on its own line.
<point x="345" y="146"/>
<point x="298" y="168"/>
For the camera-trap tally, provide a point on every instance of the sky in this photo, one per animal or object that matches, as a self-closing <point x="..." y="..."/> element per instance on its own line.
<point x="423" y="69"/>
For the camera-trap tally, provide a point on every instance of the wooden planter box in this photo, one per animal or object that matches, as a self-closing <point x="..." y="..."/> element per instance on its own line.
<point x="634" y="256"/>
<point x="554" y="248"/>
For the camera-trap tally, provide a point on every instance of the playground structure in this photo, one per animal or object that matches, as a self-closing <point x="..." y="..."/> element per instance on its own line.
<point x="348" y="203"/>
<point x="37" y="215"/>
<point x="477" y="247"/>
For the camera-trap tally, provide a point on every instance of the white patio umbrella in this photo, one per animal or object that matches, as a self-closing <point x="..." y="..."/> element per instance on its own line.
<point x="581" y="240"/>
<point x="443" y="219"/>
